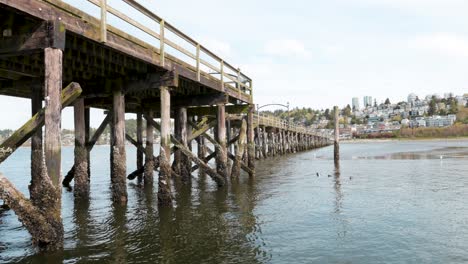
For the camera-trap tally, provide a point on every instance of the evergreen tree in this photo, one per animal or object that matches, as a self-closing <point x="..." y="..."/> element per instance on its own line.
<point x="432" y="107"/>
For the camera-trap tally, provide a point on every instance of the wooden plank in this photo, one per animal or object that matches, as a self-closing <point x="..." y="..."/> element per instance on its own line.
<point x="212" y="110"/>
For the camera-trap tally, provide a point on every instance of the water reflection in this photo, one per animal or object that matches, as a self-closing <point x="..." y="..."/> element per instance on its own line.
<point x="341" y="221"/>
<point x="286" y="214"/>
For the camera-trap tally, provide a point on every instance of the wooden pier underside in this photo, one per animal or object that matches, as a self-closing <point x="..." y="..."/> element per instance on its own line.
<point x="123" y="61"/>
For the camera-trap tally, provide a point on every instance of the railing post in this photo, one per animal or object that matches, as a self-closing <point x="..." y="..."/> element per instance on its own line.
<point x="222" y="74"/>
<point x="198" y="62"/>
<point x="251" y="92"/>
<point x="239" y="82"/>
<point x="103" y="21"/>
<point x="161" y="41"/>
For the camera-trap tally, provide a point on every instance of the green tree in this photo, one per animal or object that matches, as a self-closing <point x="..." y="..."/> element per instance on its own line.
<point x="387" y="101"/>
<point x="347" y="111"/>
<point x="453" y="106"/>
<point x="432" y="107"/>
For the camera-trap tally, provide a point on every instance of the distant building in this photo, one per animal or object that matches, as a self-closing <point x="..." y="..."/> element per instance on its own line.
<point x="355" y="103"/>
<point x="440" y="121"/>
<point x="412" y="98"/>
<point x="405" y="122"/>
<point x="367" y="101"/>
<point x="448" y="95"/>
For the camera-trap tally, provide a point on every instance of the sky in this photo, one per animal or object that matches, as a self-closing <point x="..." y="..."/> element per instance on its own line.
<point x="315" y="53"/>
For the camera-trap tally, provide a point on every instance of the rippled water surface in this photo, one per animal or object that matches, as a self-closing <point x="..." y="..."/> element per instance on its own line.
<point x="389" y="202"/>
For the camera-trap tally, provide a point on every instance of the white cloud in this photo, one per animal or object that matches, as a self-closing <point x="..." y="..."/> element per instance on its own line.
<point x="286" y="47"/>
<point x="220" y="48"/>
<point x="442" y="43"/>
<point x="416" y="3"/>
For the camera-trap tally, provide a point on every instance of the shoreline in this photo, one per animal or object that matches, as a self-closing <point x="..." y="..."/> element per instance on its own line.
<point x="382" y="140"/>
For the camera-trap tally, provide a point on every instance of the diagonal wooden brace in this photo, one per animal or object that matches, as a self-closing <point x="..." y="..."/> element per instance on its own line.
<point x="69" y="94"/>
<point x="212" y="173"/>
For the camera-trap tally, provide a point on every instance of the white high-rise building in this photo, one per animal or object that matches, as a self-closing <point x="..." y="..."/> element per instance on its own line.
<point x="355" y="103"/>
<point x="368" y="101"/>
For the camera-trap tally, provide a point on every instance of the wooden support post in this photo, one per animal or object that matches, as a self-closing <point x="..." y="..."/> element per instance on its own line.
<point x="52" y="200"/>
<point x="201" y="152"/>
<point x="337" y="136"/>
<point x="236" y="166"/>
<point x="221" y="151"/>
<point x="52" y="139"/>
<point x="103" y="4"/>
<point x="265" y="142"/>
<point x="36" y="146"/>
<point x="282" y="142"/>
<point x="228" y="147"/>
<point x="164" y="189"/>
<point x="149" y="153"/>
<point x="139" y="155"/>
<point x="182" y="162"/>
<point x="118" y="156"/>
<point x="81" y="189"/>
<point x="228" y="134"/>
<point x="89" y="146"/>
<point x="250" y="140"/>
<point x="257" y="143"/>
<point x="87" y="116"/>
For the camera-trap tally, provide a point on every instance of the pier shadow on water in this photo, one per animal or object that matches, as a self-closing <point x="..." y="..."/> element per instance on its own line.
<point x="206" y="225"/>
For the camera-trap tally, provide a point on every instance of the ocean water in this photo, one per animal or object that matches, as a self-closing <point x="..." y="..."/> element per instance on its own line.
<point x="387" y="202"/>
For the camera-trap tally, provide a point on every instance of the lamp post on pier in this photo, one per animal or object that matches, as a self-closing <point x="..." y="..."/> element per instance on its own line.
<point x="286" y="106"/>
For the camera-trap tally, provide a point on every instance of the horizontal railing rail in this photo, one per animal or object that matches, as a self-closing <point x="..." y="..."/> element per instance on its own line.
<point x="271" y="121"/>
<point x="229" y="76"/>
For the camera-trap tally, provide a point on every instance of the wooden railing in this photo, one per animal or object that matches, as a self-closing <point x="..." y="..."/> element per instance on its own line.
<point x="271" y="121"/>
<point x="229" y="76"/>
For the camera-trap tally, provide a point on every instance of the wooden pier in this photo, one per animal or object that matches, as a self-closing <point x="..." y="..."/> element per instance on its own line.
<point x="59" y="56"/>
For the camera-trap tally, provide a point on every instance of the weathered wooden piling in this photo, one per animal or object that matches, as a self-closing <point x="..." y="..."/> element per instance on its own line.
<point x="81" y="188"/>
<point x="118" y="155"/>
<point x="250" y="140"/>
<point x="140" y="155"/>
<point x="164" y="189"/>
<point x="87" y="117"/>
<point x="37" y="156"/>
<point x="148" y="174"/>
<point x="336" y="143"/>
<point x="240" y="146"/>
<point x="221" y="150"/>
<point x="201" y="152"/>
<point x="182" y="162"/>
<point x="51" y="195"/>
